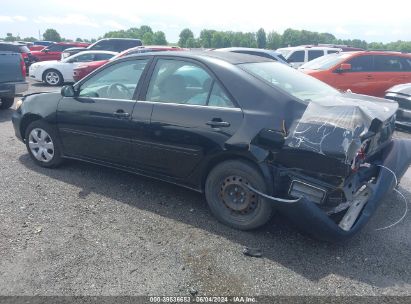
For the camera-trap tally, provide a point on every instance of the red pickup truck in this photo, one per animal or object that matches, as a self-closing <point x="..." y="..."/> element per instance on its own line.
<point x="53" y="51"/>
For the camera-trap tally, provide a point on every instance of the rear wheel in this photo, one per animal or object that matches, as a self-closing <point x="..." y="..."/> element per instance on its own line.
<point x="53" y="77"/>
<point x="43" y="144"/>
<point x="231" y="201"/>
<point x="6" y="103"/>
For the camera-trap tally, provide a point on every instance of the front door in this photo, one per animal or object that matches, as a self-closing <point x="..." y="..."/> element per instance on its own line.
<point x="360" y="79"/>
<point x="96" y="124"/>
<point x="193" y="116"/>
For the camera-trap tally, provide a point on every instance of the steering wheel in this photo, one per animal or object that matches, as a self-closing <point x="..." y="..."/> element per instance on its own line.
<point x="116" y="89"/>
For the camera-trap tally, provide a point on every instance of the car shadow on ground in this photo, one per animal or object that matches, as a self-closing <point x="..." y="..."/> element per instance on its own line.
<point x="5" y="115"/>
<point x="369" y="257"/>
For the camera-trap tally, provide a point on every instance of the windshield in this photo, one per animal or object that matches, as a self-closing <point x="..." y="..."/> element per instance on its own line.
<point x="325" y="62"/>
<point x="287" y="79"/>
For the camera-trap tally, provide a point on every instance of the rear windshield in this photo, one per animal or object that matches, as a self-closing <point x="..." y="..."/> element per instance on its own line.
<point x="325" y="62"/>
<point x="285" y="78"/>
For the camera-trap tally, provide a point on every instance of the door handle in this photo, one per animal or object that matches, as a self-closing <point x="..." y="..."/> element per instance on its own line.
<point x="120" y="114"/>
<point x="218" y="123"/>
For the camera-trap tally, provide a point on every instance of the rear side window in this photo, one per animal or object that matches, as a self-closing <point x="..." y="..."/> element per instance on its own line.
<point x="102" y="56"/>
<point x="312" y="54"/>
<point x="260" y="54"/>
<point x="407" y="63"/>
<point x="389" y="64"/>
<point x="9" y="48"/>
<point x="297" y="56"/>
<point x="361" y="64"/>
<point x="175" y="81"/>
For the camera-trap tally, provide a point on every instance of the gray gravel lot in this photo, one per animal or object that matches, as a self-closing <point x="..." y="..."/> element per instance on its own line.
<point x="88" y="230"/>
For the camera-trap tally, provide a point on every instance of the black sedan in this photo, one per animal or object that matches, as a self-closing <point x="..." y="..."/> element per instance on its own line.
<point x="254" y="135"/>
<point x="401" y="93"/>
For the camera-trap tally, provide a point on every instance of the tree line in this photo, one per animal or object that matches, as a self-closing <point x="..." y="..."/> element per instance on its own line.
<point x="220" y="39"/>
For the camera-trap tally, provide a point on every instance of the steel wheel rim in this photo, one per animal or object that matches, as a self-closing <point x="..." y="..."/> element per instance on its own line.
<point x="41" y="145"/>
<point x="236" y="197"/>
<point x="52" y="78"/>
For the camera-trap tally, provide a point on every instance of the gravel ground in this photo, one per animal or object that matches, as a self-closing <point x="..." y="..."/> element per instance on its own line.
<point x="88" y="230"/>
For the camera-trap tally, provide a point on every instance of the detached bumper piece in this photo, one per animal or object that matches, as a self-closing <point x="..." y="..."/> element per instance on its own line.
<point x="310" y="219"/>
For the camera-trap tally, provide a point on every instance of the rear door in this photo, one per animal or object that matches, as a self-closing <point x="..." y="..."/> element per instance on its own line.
<point x="193" y="116"/>
<point x="96" y="124"/>
<point x="389" y="71"/>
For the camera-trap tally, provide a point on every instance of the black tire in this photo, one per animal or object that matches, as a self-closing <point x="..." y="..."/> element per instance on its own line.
<point x="6" y="103"/>
<point x="58" y="77"/>
<point x="56" y="158"/>
<point x="250" y="211"/>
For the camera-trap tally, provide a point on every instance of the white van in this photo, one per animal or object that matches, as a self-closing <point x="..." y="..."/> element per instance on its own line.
<point x="298" y="55"/>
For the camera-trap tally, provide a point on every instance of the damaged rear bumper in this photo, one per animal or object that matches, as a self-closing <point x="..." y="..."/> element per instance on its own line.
<point x="310" y="219"/>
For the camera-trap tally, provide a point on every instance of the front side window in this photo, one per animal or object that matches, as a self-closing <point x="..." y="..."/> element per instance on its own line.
<point x="312" y="54"/>
<point x="181" y="82"/>
<point x="361" y="64"/>
<point x="297" y="56"/>
<point x="118" y="81"/>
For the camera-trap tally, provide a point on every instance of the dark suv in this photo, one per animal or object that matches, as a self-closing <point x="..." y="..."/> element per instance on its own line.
<point x="18" y="48"/>
<point x="106" y="44"/>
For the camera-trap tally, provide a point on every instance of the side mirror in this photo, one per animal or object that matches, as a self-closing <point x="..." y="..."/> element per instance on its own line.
<point x="68" y="91"/>
<point x="344" y="67"/>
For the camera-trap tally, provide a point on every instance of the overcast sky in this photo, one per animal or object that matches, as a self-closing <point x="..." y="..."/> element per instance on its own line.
<point x="364" y="19"/>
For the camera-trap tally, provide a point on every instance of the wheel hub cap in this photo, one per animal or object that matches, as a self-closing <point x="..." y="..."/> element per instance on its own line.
<point x="52" y="78"/>
<point x="41" y="145"/>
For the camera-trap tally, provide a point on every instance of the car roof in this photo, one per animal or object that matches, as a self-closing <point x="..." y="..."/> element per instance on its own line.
<point x="230" y="57"/>
<point x="377" y="53"/>
<point x="96" y="52"/>
<point x="232" y="49"/>
<point x="308" y="47"/>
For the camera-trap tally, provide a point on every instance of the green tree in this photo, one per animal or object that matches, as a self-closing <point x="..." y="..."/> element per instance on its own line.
<point x="205" y="38"/>
<point x="192" y="43"/>
<point x="29" y="39"/>
<point x="148" y="38"/>
<point x="184" y="36"/>
<point x="79" y="40"/>
<point x="291" y="37"/>
<point x="51" y="35"/>
<point x="217" y="40"/>
<point x="274" y="40"/>
<point x="261" y="39"/>
<point x="159" y="38"/>
<point x="10" y="37"/>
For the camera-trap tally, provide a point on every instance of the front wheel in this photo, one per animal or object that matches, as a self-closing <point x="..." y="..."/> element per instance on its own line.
<point x="53" y="77"/>
<point x="231" y="201"/>
<point x="6" y="103"/>
<point x="43" y="144"/>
